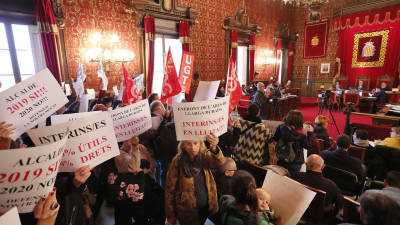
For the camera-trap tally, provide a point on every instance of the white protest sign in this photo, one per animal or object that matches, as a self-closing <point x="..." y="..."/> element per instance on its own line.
<point x="196" y="120"/>
<point x="84" y="103"/>
<point x="207" y="90"/>
<point x="139" y="81"/>
<point x="91" y="141"/>
<point x="289" y="202"/>
<point x="31" y="101"/>
<point x="91" y="93"/>
<point x="11" y="217"/>
<point x="65" y="118"/>
<point x="67" y="90"/>
<point x="131" y="120"/>
<point x="115" y="89"/>
<point x="28" y="174"/>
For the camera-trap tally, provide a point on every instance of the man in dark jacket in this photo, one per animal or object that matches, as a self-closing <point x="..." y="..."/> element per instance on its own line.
<point x="341" y="159"/>
<point x="260" y="99"/>
<point x="380" y="95"/>
<point x="313" y="178"/>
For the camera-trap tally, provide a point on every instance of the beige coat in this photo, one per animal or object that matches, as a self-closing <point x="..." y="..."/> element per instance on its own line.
<point x="180" y="198"/>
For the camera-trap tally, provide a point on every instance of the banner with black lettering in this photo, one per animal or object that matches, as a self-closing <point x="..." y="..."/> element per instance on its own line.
<point x="28" y="174"/>
<point x="31" y="101"/>
<point x="131" y="120"/>
<point x="91" y="140"/>
<point x="196" y="120"/>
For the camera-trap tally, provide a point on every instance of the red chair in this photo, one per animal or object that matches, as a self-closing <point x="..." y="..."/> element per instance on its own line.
<point x="353" y="98"/>
<point x="244" y="103"/>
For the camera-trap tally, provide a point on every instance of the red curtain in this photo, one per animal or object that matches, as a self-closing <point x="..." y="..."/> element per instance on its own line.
<point x="278" y="58"/>
<point x="361" y="28"/>
<point x="184" y="35"/>
<point x="290" y="61"/>
<point x="48" y="28"/>
<point x="234" y="45"/>
<point x="150" y="32"/>
<point x="252" y="50"/>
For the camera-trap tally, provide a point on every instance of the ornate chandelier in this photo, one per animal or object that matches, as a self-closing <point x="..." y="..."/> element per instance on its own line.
<point x="311" y="4"/>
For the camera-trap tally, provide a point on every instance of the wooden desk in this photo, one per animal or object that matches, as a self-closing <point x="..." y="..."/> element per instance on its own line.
<point x="378" y="119"/>
<point x="279" y="109"/>
<point x="370" y="101"/>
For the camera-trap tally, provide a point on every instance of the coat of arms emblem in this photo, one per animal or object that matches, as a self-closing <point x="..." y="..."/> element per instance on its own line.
<point x="368" y="49"/>
<point x="315" y="41"/>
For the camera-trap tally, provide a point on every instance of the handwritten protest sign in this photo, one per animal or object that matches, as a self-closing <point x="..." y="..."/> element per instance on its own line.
<point x="91" y="141"/>
<point x="31" y="101"/>
<point x="11" y="217"/>
<point x="28" y="174"/>
<point x="65" y="118"/>
<point x="207" y="90"/>
<point x="196" y="120"/>
<point x="290" y="202"/>
<point x="131" y="120"/>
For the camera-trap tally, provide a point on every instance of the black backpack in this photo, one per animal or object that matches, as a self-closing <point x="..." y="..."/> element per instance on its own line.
<point x="285" y="151"/>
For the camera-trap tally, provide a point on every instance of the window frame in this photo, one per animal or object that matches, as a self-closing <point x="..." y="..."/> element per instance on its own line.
<point x="11" y="47"/>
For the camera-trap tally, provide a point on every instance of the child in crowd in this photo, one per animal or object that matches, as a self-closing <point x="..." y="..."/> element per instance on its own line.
<point x="264" y="211"/>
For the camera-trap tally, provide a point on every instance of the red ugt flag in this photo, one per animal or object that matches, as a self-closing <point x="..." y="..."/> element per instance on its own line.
<point x="233" y="88"/>
<point x="171" y="85"/>
<point x="131" y="94"/>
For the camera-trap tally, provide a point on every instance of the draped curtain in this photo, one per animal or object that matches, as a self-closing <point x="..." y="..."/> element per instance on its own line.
<point x="359" y="30"/>
<point x="184" y="35"/>
<point x="278" y="58"/>
<point x="290" y="61"/>
<point x="234" y="45"/>
<point x="252" y="50"/>
<point x="49" y="30"/>
<point x="150" y="32"/>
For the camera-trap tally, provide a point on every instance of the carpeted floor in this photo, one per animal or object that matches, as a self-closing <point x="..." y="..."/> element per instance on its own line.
<point x="310" y="111"/>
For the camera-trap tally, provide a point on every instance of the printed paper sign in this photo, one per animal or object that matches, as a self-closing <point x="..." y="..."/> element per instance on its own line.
<point x="131" y="120"/>
<point x="67" y="90"/>
<point x="91" y="141"/>
<point x="28" y="174"/>
<point x="115" y="89"/>
<point x="84" y="103"/>
<point x="139" y="81"/>
<point x="65" y="118"/>
<point x="186" y="71"/>
<point x="290" y="202"/>
<point x="91" y="93"/>
<point x="31" y="101"/>
<point x="196" y="120"/>
<point x="11" y="217"/>
<point x="207" y="90"/>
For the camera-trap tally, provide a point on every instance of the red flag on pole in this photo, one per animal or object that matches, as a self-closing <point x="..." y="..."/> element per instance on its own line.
<point x="171" y="85"/>
<point x="233" y="88"/>
<point x="131" y="93"/>
<point x="186" y="71"/>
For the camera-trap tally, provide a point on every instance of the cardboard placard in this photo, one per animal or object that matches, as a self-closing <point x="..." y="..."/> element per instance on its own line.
<point x="65" y="118"/>
<point x="131" y="120"/>
<point x="91" y="94"/>
<point x="28" y="174"/>
<point x="11" y="217"/>
<point x="31" y="101"/>
<point x="196" y="120"/>
<point x="207" y="90"/>
<point x="91" y="141"/>
<point x="289" y="198"/>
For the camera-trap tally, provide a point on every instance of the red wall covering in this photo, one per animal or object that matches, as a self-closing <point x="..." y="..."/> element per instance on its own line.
<point x="83" y="17"/>
<point x="300" y="64"/>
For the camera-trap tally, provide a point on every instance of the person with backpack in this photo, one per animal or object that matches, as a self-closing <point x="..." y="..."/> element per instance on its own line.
<point x="291" y="140"/>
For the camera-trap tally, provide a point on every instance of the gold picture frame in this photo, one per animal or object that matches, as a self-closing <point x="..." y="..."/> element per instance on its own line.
<point x="381" y="61"/>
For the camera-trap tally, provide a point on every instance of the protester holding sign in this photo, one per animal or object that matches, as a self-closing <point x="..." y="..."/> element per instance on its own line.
<point x="190" y="170"/>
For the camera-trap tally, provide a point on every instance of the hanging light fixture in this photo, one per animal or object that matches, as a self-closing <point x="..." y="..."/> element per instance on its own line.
<point x="311" y="4"/>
